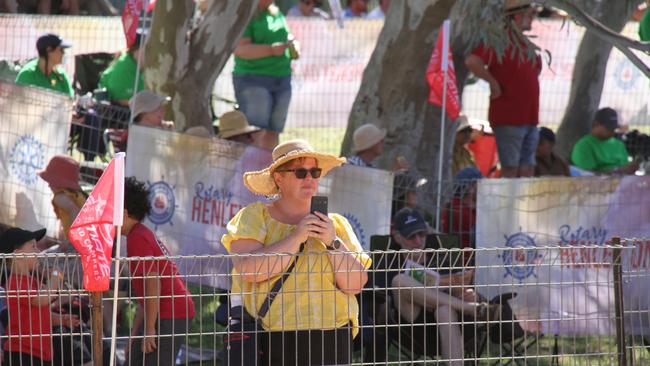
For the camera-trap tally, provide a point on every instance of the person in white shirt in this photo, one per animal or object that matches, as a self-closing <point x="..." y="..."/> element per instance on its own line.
<point x="308" y="8"/>
<point x="380" y="11"/>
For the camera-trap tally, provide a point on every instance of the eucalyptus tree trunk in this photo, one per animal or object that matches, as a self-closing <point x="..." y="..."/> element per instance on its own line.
<point x="589" y="74"/>
<point x="183" y="61"/>
<point x="393" y="92"/>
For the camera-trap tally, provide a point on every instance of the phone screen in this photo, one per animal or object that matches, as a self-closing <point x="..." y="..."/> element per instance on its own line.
<point x="319" y="204"/>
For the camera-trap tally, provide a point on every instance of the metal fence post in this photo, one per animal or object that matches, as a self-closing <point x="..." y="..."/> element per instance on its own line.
<point x="618" y="303"/>
<point x="98" y="327"/>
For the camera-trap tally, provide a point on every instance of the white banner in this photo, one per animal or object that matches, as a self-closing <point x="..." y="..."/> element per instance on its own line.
<point x="34" y="126"/>
<point x="197" y="188"/>
<point x="564" y="276"/>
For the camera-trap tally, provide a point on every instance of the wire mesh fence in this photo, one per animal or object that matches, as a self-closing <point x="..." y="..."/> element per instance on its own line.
<point x="418" y="306"/>
<point x="326" y="78"/>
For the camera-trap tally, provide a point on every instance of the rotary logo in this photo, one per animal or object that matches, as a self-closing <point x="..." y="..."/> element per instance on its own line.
<point x="357" y="228"/>
<point x="26" y="158"/>
<point x="520" y="261"/>
<point x="163" y="203"/>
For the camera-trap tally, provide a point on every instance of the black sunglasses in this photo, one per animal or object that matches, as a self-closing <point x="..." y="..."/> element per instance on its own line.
<point x="301" y="173"/>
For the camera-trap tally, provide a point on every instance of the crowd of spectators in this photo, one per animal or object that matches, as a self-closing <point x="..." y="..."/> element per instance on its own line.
<point x="262" y="83"/>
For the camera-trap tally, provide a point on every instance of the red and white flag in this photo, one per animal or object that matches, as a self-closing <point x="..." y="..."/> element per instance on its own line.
<point x="130" y="18"/>
<point x="442" y="63"/>
<point x="93" y="231"/>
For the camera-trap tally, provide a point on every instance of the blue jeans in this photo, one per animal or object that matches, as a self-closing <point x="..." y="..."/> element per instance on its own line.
<point x="263" y="99"/>
<point x="516" y="144"/>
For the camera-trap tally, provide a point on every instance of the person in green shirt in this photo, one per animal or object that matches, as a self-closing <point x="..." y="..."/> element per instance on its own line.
<point x="600" y="151"/>
<point x="119" y="77"/>
<point x="44" y="71"/>
<point x="644" y="24"/>
<point x="262" y="74"/>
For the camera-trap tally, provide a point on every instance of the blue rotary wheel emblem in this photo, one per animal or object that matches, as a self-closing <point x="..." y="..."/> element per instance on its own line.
<point x="520" y="261"/>
<point x="626" y="74"/>
<point x="26" y="158"/>
<point x="163" y="203"/>
<point x="356" y="227"/>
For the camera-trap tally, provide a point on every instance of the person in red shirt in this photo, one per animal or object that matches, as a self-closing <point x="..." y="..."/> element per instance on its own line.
<point x="459" y="217"/>
<point x="165" y="309"/>
<point x="514" y="94"/>
<point x="29" y="302"/>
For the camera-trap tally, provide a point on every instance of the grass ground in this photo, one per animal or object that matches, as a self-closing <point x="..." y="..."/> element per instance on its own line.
<point x="324" y="139"/>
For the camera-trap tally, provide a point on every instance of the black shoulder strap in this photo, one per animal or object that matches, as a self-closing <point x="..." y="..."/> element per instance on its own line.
<point x="266" y="305"/>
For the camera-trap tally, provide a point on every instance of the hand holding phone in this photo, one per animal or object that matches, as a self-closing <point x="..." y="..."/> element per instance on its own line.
<point x="319" y="204"/>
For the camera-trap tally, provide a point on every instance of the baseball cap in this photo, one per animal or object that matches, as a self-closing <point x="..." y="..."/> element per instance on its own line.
<point x="15" y="237"/>
<point x="607" y="117"/>
<point x="468" y="174"/>
<point x="546" y="134"/>
<point x="50" y="40"/>
<point x="408" y="221"/>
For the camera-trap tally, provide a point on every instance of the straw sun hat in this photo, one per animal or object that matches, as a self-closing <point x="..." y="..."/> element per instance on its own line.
<point x="234" y="123"/>
<point x="261" y="182"/>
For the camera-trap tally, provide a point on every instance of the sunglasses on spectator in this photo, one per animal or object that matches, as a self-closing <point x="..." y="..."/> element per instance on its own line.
<point x="301" y="173"/>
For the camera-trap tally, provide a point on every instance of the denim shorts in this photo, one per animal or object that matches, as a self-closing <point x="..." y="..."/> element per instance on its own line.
<point x="263" y="99"/>
<point x="516" y="144"/>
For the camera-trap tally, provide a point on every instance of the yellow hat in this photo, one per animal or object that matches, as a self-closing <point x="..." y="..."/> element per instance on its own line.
<point x="261" y="182"/>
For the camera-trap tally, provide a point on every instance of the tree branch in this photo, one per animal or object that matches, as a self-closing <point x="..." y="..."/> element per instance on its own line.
<point x="624" y="44"/>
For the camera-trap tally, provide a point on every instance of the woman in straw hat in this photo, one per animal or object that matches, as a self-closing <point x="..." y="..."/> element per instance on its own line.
<point x="315" y="316"/>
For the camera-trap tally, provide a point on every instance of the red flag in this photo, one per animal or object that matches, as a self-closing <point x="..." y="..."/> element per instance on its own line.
<point x="93" y="231"/>
<point x="130" y="17"/>
<point x="436" y="75"/>
<point x="152" y="4"/>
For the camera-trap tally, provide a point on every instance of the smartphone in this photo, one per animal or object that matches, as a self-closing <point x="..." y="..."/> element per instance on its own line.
<point x="319" y="204"/>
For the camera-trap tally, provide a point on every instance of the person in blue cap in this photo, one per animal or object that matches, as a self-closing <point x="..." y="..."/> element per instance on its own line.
<point x="459" y="217"/>
<point x="44" y="71"/>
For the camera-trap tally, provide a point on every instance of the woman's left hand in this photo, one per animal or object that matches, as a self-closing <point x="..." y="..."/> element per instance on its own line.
<point x="323" y="229"/>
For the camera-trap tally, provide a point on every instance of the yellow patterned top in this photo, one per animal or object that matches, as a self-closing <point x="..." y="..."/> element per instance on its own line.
<point x="309" y="298"/>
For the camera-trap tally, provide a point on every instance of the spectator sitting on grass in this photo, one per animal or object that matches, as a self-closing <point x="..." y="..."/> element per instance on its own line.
<point x="368" y="144"/>
<point x="44" y="71"/>
<point x="548" y="162"/>
<point x="600" y="151"/>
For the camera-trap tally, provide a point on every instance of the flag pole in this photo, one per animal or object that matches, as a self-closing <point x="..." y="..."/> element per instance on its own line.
<point x="445" y="65"/>
<point x="115" y="294"/>
<point x="118" y="220"/>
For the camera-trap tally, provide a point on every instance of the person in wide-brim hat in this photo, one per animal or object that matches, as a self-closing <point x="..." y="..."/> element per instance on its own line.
<point x="62" y="172"/>
<point x="261" y="182"/>
<point x="233" y="124"/>
<point x="298" y="222"/>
